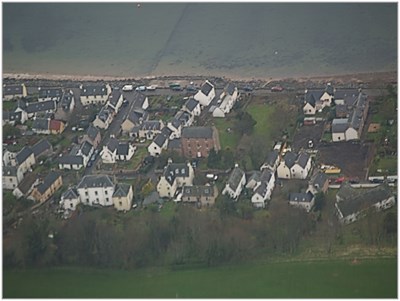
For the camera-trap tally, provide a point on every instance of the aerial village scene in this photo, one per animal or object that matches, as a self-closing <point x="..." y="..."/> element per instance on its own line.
<point x="130" y="172"/>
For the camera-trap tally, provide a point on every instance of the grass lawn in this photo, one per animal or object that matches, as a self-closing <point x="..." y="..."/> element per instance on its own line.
<point x="261" y="113"/>
<point x="226" y="139"/>
<point x="319" y="279"/>
<point x="386" y="164"/>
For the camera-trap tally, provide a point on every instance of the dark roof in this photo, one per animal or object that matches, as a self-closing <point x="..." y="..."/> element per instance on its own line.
<point x="319" y="180"/>
<point x="329" y="89"/>
<point x="151" y="125"/>
<point x="364" y="199"/>
<point x="174" y="144"/>
<point x="301" y="197"/>
<point x="272" y="156"/>
<point x="175" y="123"/>
<point x="114" y="97"/>
<point x="112" y="144"/>
<point x="23" y="154"/>
<point x="137" y="115"/>
<point x="71" y="159"/>
<point x="91" y="181"/>
<point x="12" y="90"/>
<point x="166" y="131"/>
<point x="191" y="104"/>
<point x="9" y="171"/>
<point x="136" y="97"/>
<point x="197" y="132"/>
<point x="347" y="192"/>
<point x="235" y="177"/>
<point x="41" y="106"/>
<point x="182" y="116"/>
<point x="92" y="132"/>
<point x="94" y="90"/>
<point x="104" y="114"/>
<point x="41" y="124"/>
<point x="49" y="92"/>
<point x="343" y="94"/>
<point x="86" y="147"/>
<point x="123" y="149"/>
<point x="41" y="147"/>
<point x="341" y="110"/>
<point x="313" y="96"/>
<point x="339" y="125"/>
<point x="230" y="88"/>
<point x="121" y="190"/>
<point x="206" y="88"/>
<point x="21" y="104"/>
<point x="48" y="181"/>
<point x="302" y="159"/>
<point x="71" y="193"/>
<point x="151" y="198"/>
<point x="66" y="100"/>
<point x="12" y="116"/>
<point x="27" y="182"/>
<point x="198" y="191"/>
<point x="262" y="189"/>
<point x="266" y="176"/>
<point x="290" y="159"/>
<point x="256" y="176"/>
<point x="160" y="139"/>
<point x="173" y="170"/>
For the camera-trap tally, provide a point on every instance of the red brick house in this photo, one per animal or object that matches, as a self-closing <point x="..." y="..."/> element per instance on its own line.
<point x="198" y="141"/>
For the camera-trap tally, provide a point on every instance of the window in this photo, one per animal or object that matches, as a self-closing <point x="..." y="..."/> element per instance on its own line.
<point x="86" y="193"/>
<point x="106" y="192"/>
<point x="96" y="193"/>
<point x="120" y="203"/>
<point x="107" y="200"/>
<point x="71" y="205"/>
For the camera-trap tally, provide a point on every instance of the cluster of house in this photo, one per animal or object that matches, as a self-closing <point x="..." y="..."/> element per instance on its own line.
<point x="351" y="110"/>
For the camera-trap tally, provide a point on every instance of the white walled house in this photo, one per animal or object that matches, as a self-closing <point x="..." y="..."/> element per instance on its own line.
<point x="68" y="101"/>
<point x="96" y="190"/>
<point x="235" y="184"/>
<point x="94" y="94"/>
<point x="12" y="176"/>
<point x="25" y="159"/>
<point x="104" y="118"/>
<point x="271" y="161"/>
<point x="192" y="106"/>
<point x="150" y="128"/>
<point x="302" y="200"/>
<point x="176" y="128"/>
<point x="117" y="151"/>
<point x="175" y="175"/>
<point x="263" y="189"/>
<point x="206" y="94"/>
<point x="122" y="197"/>
<point x="227" y="100"/>
<point x="294" y="166"/>
<point x="159" y="143"/>
<point x="115" y="100"/>
<point x="14" y="91"/>
<point x="50" y="93"/>
<point x="70" y="199"/>
<point x="317" y="100"/>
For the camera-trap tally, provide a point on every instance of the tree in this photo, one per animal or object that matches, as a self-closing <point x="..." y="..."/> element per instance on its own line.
<point x="244" y="123"/>
<point x="319" y="201"/>
<point x="225" y="206"/>
<point x="214" y="159"/>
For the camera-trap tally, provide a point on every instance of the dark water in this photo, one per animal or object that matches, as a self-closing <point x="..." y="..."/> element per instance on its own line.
<point x="237" y="39"/>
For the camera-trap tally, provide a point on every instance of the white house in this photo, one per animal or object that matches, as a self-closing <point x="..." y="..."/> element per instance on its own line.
<point x="122" y="197"/>
<point x="263" y="189"/>
<point x="25" y="159"/>
<point x="150" y="128"/>
<point x="104" y="118"/>
<point x="235" y="183"/>
<point x="159" y="143"/>
<point x="49" y="93"/>
<point x="12" y="176"/>
<point x="34" y="108"/>
<point x="68" y="101"/>
<point x="71" y="162"/>
<point x="94" y="94"/>
<point x="316" y="100"/>
<point x="176" y="128"/>
<point x="192" y="106"/>
<point x="175" y="175"/>
<point x="117" y="151"/>
<point x="9" y="158"/>
<point x="294" y="166"/>
<point x="186" y="119"/>
<point x="206" y="94"/>
<point x="14" y="91"/>
<point x="115" y="100"/>
<point x="70" y="199"/>
<point x="302" y="200"/>
<point x="271" y="161"/>
<point x="227" y="100"/>
<point x="96" y="190"/>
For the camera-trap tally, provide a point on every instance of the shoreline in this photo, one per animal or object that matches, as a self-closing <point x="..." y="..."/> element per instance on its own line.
<point x="361" y="76"/>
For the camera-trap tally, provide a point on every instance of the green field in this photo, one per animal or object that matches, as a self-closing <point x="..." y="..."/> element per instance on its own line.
<point x="262" y="114"/>
<point x="324" y="279"/>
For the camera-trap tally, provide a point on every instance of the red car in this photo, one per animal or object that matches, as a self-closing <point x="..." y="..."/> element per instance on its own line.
<point x="340" y="180"/>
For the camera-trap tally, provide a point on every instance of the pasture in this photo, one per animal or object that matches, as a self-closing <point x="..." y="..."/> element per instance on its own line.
<point x="315" y="279"/>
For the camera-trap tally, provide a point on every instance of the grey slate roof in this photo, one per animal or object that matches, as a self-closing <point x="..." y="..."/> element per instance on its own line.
<point x="70" y="194"/>
<point x="302" y="159"/>
<point x="319" y="180"/>
<point x="41" y="124"/>
<point x="183" y="117"/>
<point x="104" y="114"/>
<point x="160" y="139"/>
<point x="206" y="88"/>
<point x="48" y="181"/>
<point x="262" y="189"/>
<point x="85" y="148"/>
<point x="197" y="132"/>
<point x="137" y="115"/>
<point x="272" y="156"/>
<point x="235" y="177"/>
<point x="339" y="125"/>
<point x="123" y="149"/>
<point x="166" y="131"/>
<point x="112" y="144"/>
<point x="23" y="154"/>
<point x="138" y="99"/>
<point x="42" y="106"/>
<point x="151" y="125"/>
<point x="230" y="88"/>
<point x="49" y="92"/>
<point x="41" y="146"/>
<point x="191" y="104"/>
<point x="313" y="96"/>
<point x="290" y="159"/>
<point x="92" y="132"/>
<point x="346" y="192"/>
<point x="175" y="123"/>
<point x="347" y="93"/>
<point x="66" y="100"/>
<point x="9" y="171"/>
<point x="94" y="90"/>
<point x="174" y="170"/>
<point x="198" y="191"/>
<point x="71" y="159"/>
<point x="121" y="190"/>
<point x="12" y="90"/>
<point x="114" y="97"/>
<point x="301" y="197"/>
<point x="329" y="89"/>
<point x="266" y="176"/>
<point x="12" y="116"/>
<point x="174" y="144"/>
<point x="27" y="182"/>
<point x="255" y="176"/>
<point x="92" y="181"/>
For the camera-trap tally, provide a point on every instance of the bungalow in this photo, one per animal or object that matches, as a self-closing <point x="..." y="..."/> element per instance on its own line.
<point x="122" y="197"/>
<point x="192" y="106"/>
<point x="12" y="176"/>
<point x="227" y="100"/>
<point x="294" y="166"/>
<point x="316" y="100"/>
<point x="198" y="141"/>
<point x="235" y="183"/>
<point x="263" y="189"/>
<point x="271" y="161"/>
<point x="117" y="151"/>
<point x="56" y="126"/>
<point x="115" y="100"/>
<point x="67" y="101"/>
<point x="135" y="118"/>
<point x="25" y="187"/>
<point x="302" y="200"/>
<point x="104" y="118"/>
<point x="70" y="199"/>
<point x="202" y="196"/>
<point x="51" y="183"/>
<point x="14" y="91"/>
<point x="319" y="182"/>
<point x="42" y="148"/>
<point x="150" y="128"/>
<point x="206" y="94"/>
<point x="45" y="94"/>
<point x="355" y="204"/>
<point x="96" y="190"/>
<point x="94" y="94"/>
<point x="175" y="175"/>
<point x="34" y="108"/>
<point x="25" y="159"/>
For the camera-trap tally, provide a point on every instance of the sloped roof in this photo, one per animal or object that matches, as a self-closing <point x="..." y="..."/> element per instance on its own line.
<point x="9" y="171"/>
<point x="262" y="189"/>
<point x="319" y="180"/>
<point x="27" y="182"/>
<point x="313" y="96"/>
<point x="151" y="125"/>
<point x="55" y="125"/>
<point x="191" y="104"/>
<point x="174" y="170"/>
<point x="23" y="154"/>
<point x="66" y="99"/>
<point x="48" y="181"/>
<point x="230" y="88"/>
<point x="197" y="132"/>
<point x="160" y="139"/>
<point x="41" y="146"/>
<point x="112" y="144"/>
<point x="123" y="149"/>
<point x="12" y="90"/>
<point x="235" y="177"/>
<point x="45" y="92"/>
<point x="266" y="176"/>
<point x="290" y="159"/>
<point x="71" y="159"/>
<point x="301" y="197"/>
<point x="85" y="148"/>
<point x="339" y="125"/>
<point x="92" y="132"/>
<point x="91" y="181"/>
<point x="121" y="190"/>
<point x="198" y="191"/>
<point x="206" y="88"/>
<point x="42" y="106"/>
<point x="70" y="194"/>
<point x="302" y="159"/>
<point x="114" y="97"/>
<point x="104" y="114"/>
<point x="41" y="124"/>
<point x="272" y="156"/>
<point x="175" y="123"/>
<point x="94" y="90"/>
<point x="174" y="144"/>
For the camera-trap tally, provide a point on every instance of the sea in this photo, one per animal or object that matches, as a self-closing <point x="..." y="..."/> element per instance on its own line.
<point x="245" y="40"/>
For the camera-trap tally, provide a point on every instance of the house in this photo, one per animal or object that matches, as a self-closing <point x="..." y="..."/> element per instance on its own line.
<point x="159" y="143"/>
<point x="175" y="175"/>
<point x="353" y="205"/>
<point x="271" y="161"/>
<point x="206" y="94"/>
<point x="135" y="118"/>
<point x="70" y="199"/>
<point x="71" y="162"/>
<point x="25" y="159"/>
<point x="51" y="183"/>
<point x="92" y="136"/>
<point x="235" y="184"/>
<point x="263" y="189"/>
<point x="117" y="151"/>
<point x="12" y="176"/>
<point x="9" y="158"/>
<point x="13" y="117"/>
<point x="94" y="94"/>
<point x="186" y="119"/>
<point x="150" y="128"/>
<point x="122" y="197"/>
<point x="115" y="100"/>
<point x="202" y="196"/>
<point x="42" y="148"/>
<point x="56" y="126"/>
<point x="96" y="190"/>
<point x="198" y="141"/>
<point x="34" y="108"/>
<point x="175" y="145"/>
<point x="85" y="150"/>
<point x="25" y="187"/>
<point x="294" y="166"/>
<point x="45" y="94"/>
<point x="14" y="91"/>
<point x="317" y="100"/>
<point x="319" y="182"/>
<point x="227" y="100"/>
<point x="139" y="100"/>
<point x="67" y="101"/>
<point x="104" y="118"/>
<point x="41" y="126"/>
<point x="176" y="128"/>
<point x="346" y="97"/>
<point x="302" y="200"/>
<point x="192" y="106"/>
